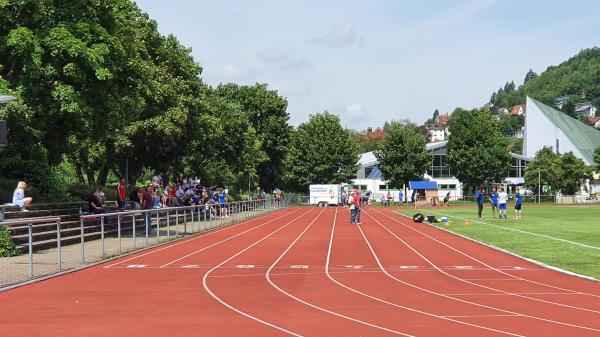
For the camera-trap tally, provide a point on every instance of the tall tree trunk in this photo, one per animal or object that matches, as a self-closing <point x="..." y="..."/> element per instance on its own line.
<point x="102" y="175"/>
<point x="79" y="174"/>
<point x="90" y="177"/>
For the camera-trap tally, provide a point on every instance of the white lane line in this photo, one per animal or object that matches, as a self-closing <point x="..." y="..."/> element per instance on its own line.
<point x="268" y="277"/>
<point x="489" y="288"/>
<point x="231" y="307"/>
<point x="522" y="231"/>
<point x="493" y="268"/>
<point x="481" y="316"/>
<point x="183" y="241"/>
<point x="225" y="240"/>
<point x="411" y="285"/>
<point x="497" y="294"/>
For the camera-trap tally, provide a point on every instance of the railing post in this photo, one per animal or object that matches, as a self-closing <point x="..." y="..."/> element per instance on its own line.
<point x="177" y="222"/>
<point x="157" y="226"/>
<point x="102" y="232"/>
<point x="82" y="241"/>
<point x="184" y="221"/>
<point x="58" y="247"/>
<point x="30" y="246"/>
<point x="193" y="226"/>
<point x="119" y="232"/>
<point x="133" y="228"/>
<point x="168" y="224"/>
<point x="147" y="223"/>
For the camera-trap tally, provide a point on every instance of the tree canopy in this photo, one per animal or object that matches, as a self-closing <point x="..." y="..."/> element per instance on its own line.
<point x="565" y="173"/>
<point x="321" y="152"/>
<point x="403" y="155"/>
<point x="477" y="151"/>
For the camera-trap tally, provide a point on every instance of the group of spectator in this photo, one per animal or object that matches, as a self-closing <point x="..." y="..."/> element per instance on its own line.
<point x="185" y="192"/>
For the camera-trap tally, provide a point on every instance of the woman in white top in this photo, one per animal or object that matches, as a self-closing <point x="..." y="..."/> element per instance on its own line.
<point x="19" y="198"/>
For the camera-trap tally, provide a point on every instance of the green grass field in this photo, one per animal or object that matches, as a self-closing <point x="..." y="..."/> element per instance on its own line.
<point x="579" y="225"/>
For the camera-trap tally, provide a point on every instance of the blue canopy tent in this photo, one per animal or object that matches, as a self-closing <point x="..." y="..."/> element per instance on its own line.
<point x="425" y="191"/>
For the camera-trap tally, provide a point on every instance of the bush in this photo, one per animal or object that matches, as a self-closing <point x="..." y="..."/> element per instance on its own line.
<point x="81" y="191"/>
<point x="7" y="247"/>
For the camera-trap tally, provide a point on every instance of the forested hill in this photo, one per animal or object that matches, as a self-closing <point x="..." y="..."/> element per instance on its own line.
<point x="576" y="76"/>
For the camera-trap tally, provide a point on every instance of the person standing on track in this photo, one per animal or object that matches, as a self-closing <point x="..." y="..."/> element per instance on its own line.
<point x="502" y="200"/>
<point x="352" y="208"/>
<point x="356" y="198"/>
<point x="518" y="204"/>
<point x="493" y="198"/>
<point x="479" y="199"/>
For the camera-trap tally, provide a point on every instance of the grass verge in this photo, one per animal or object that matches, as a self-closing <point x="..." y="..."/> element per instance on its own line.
<point x="564" y="237"/>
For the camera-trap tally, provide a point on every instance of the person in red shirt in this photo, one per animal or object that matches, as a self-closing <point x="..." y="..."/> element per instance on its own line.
<point x="357" y="207"/>
<point x="121" y="194"/>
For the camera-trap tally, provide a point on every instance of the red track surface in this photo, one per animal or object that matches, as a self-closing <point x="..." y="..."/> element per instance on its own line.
<point x="309" y="272"/>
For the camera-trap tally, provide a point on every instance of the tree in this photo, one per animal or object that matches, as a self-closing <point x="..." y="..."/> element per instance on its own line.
<point x="403" y="155"/>
<point x="543" y="170"/>
<point x="477" y="151"/>
<point x="574" y="173"/>
<point x="321" y="152"/>
<point x="266" y="110"/>
<point x="436" y="113"/>
<point x="597" y="158"/>
<point x="569" y="109"/>
<point x="530" y="76"/>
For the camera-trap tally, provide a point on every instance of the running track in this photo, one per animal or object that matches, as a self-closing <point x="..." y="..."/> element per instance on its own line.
<point x="309" y="272"/>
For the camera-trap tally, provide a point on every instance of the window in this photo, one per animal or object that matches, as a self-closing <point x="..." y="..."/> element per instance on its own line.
<point x="368" y="170"/>
<point x="382" y="187"/>
<point x="438" y="167"/>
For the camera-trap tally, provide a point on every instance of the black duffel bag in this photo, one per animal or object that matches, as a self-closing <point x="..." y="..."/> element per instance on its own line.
<point x="418" y="217"/>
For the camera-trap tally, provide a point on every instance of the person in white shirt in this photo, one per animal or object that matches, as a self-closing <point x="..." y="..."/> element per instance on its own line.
<point x="502" y="199"/>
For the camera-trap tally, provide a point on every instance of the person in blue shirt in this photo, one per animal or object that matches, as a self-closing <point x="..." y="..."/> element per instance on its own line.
<point x="479" y="199"/>
<point x="401" y="197"/>
<point x="223" y="203"/>
<point x="493" y="198"/>
<point x="518" y="204"/>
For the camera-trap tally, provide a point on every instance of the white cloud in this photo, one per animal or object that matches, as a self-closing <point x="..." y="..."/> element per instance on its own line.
<point x="343" y="35"/>
<point x="355" y="110"/>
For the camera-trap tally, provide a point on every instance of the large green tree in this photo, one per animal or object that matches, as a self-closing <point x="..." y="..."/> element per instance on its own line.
<point x="98" y="86"/>
<point x="321" y="152"/>
<point x="574" y="173"/>
<point x="477" y="151"/>
<point x="267" y="111"/>
<point x="403" y="155"/>
<point x="543" y="170"/>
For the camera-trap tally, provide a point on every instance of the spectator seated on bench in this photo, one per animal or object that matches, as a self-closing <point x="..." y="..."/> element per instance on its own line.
<point x="19" y="198"/>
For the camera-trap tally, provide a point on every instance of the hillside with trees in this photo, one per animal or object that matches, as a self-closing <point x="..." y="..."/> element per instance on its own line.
<point x="579" y="76"/>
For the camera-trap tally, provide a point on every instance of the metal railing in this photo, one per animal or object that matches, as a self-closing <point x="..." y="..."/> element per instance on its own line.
<point x="105" y="235"/>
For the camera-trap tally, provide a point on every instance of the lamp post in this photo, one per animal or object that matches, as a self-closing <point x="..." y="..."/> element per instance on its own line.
<point x="539" y="186"/>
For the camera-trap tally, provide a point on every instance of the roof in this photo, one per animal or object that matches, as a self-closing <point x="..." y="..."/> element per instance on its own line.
<point x="375" y="174"/>
<point x="443" y="119"/>
<point x="422" y="185"/>
<point x="584" y="137"/>
<point x="376" y="134"/>
<point x="367" y="158"/>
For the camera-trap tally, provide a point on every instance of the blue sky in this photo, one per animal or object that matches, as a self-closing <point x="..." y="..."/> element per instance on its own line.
<point x="372" y="61"/>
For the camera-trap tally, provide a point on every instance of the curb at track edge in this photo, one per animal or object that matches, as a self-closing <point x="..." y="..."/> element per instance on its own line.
<point x="539" y="263"/>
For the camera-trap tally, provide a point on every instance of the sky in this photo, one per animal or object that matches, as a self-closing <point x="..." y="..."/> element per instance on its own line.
<point x="373" y="61"/>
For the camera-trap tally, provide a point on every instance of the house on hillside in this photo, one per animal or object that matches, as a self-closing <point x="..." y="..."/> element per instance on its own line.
<point x="487" y="106"/>
<point x="594" y="121"/>
<point x="442" y="119"/>
<point x="585" y="109"/>
<point x="561" y="100"/>
<point x="437" y="133"/>
<point x="378" y="133"/>
<point x="517" y="110"/>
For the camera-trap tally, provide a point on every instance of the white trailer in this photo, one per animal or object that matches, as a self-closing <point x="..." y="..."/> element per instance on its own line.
<point x="325" y="195"/>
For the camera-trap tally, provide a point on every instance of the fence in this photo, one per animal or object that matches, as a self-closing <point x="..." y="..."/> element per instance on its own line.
<point x="106" y="235"/>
